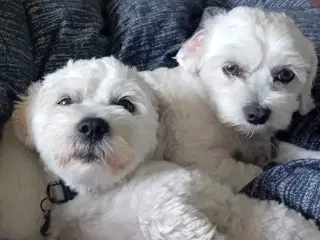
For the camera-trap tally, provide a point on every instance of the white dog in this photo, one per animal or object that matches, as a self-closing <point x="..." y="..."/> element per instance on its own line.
<point x="94" y="122"/>
<point x="240" y="80"/>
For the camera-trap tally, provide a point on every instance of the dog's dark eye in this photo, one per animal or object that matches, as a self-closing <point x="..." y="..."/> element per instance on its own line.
<point x="284" y="76"/>
<point x="232" y="69"/>
<point x="65" y="101"/>
<point x="126" y="104"/>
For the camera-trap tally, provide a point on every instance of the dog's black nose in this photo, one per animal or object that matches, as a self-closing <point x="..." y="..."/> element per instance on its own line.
<point x="255" y="114"/>
<point x="93" y="128"/>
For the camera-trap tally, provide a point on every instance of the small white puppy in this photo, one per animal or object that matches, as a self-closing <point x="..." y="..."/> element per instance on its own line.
<point x="94" y="123"/>
<point x="240" y="80"/>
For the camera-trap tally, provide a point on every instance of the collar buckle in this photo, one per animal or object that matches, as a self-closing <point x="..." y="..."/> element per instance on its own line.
<point x="59" y="193"/>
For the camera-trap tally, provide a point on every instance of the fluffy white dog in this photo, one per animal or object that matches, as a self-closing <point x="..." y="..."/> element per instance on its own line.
<point x="240" y="80"/>
<point x="94" y="122"/>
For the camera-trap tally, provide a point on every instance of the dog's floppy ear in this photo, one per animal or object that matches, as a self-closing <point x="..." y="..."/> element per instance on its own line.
<point x="21" y="115"/>
<point x="306" y="100"/>
<point x="191" y="52"/>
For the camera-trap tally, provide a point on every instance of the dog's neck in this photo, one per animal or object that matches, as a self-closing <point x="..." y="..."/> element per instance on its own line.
<point x="96" y="190"/>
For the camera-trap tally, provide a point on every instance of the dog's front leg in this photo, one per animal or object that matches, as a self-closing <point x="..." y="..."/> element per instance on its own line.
<point x="288" y="152"/>
<point x="241" y="217"/>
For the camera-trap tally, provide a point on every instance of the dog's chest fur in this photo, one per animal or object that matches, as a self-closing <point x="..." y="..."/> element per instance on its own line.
<point x="131" y="211"/>
<point x="107" y="216"/>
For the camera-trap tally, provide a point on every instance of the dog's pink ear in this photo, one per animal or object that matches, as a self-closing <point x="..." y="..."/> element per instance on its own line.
<point x="306" y="101"/>
<point x="22" y="113"/>
<point x="191" y="52"/>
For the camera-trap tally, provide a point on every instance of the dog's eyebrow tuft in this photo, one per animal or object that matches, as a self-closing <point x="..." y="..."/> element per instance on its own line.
<point x="114" y="100"/>
<point x="129" y="91"/>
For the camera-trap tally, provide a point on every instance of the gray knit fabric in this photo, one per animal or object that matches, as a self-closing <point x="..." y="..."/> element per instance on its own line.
<point x="38" y="36"/>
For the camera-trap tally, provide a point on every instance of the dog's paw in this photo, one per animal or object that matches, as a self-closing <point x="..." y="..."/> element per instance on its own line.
<point x="260" y="153"/>
<point x="262" y="160"/>
<point x="257" y="156"/>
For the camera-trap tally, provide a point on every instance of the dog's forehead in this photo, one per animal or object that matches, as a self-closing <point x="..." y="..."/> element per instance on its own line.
<point x="89" y="78"/>
<point x="120" y="81"/>
<point x="252" y="35"/>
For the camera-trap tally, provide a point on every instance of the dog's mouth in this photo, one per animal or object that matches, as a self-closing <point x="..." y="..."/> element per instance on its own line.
<point x="86" y="157"/>
<point x="88" y="152"/>
<point x="249" y="130"/>
<point x="114" y="152"/>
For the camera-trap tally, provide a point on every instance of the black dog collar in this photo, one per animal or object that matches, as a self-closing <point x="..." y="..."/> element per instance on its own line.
<point x="57" y="193"/>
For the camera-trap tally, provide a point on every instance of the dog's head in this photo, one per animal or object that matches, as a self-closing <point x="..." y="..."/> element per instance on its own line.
<point x="257" y="66"/>
<point x="93" y="122"/>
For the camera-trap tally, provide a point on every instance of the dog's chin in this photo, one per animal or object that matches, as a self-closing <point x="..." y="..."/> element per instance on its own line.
<point x="116" y="153"/>
<point x="97" y="166"/>
<point x="87" y="152"/>
<point x="86" y="157"/>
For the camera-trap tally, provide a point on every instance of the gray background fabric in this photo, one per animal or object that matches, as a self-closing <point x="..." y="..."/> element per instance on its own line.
<point x="16" y="55"/>
<point x="39" y="36"/>
<point x="60" y="30"/>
